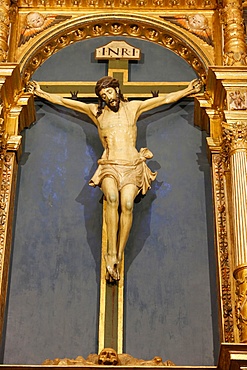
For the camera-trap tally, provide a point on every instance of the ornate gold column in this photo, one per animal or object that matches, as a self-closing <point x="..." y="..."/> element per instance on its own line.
<point x="223" y="113"/>
<point x="16" y="112"/>
<point x="4" y="29"/>
<point x="222" y="240"/>
<point x="235" y="47"/>
<point x="235" y="142"/>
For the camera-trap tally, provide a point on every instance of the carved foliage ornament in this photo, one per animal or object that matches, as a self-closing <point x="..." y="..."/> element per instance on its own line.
<point x="232" y="58"/>
<point x="234" y="137"/>
<point x="223" y="248"/>
<point x="5" y="194"/>
<point x="4" y="30"/>
<point x="241" y="303"/>
<point x="126" y="28"/>
<point x="118" y="4"/>
<point x="235" y="48"/>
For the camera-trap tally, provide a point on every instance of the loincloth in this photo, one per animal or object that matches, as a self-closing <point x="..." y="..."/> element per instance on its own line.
<point x="126" y="172"/>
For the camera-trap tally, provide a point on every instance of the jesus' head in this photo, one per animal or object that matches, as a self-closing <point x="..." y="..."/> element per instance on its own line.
<point x="108" y="91"/>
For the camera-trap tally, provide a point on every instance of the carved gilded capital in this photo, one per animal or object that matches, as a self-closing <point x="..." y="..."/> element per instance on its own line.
<point x="234" y="137"/>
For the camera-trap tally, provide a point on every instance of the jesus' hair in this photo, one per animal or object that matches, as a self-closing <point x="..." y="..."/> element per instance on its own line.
<point x="103" y="83"/>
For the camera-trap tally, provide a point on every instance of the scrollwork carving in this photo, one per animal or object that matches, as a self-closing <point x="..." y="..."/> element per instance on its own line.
<point x="6" y="163"/>
<point x="4" y="27"/>
<point x="222" y="245"/>
<point x="241" y="302"/>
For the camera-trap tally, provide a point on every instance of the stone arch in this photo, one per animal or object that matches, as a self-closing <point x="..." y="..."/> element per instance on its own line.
<point x="160" y="32"/>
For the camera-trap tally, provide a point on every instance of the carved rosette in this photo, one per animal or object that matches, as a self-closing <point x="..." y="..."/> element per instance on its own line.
<point x="235" y="48"/>
<point x="4" y="29"/>
<point x="225" y="284"/>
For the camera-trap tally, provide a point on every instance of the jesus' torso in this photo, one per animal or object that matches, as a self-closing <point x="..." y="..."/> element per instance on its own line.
<point x="117" y="132"/>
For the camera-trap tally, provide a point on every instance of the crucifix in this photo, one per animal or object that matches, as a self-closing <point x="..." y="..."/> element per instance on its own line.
<point x="122" y="171"/>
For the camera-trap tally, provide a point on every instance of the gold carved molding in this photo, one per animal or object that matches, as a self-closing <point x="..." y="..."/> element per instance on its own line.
<point x="159" y="32"/>
<point x="4" y="27"/>
<point x="235" y="48"/>
<point x="222" y="247"/>
<point x="119" y="4"/>
<point x="234" y="137"/>
<point x="240" y="275"/>
<point x="16" y="112"/>
<point x="224" y="110"/>
<point x="7" y="189"/>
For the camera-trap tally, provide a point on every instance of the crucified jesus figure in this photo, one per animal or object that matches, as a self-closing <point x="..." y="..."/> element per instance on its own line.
<point x="122" y="171"/>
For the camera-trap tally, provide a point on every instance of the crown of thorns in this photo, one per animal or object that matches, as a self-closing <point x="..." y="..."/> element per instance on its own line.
<point x="105" y="82"/>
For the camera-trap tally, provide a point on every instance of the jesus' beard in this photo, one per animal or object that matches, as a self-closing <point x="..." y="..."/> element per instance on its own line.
<point x="113" y="104"/>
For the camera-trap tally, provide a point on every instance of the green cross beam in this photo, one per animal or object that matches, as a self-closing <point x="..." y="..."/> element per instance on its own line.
<point x="117" y="68"/>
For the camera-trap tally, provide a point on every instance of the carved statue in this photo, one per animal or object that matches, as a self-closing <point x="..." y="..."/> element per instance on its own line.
<point x="122" y="171"/>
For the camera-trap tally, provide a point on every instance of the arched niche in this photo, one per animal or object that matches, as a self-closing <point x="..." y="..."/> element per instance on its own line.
<point x="170" y="290"/>
<point x="180" y="41"/>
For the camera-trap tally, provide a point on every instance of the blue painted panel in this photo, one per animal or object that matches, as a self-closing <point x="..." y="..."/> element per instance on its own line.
<point x="170" y="300"/>
<point x="78" y="64"/>
<point x="53" y="303"/>
<point x="168" y="287"/>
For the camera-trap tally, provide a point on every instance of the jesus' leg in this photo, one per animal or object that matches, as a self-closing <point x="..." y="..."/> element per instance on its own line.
<point x="109" y="188"/>
<point x="127" y="194"/>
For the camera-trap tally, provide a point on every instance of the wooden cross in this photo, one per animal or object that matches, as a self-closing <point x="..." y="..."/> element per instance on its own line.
<point x="111" y="315"/>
